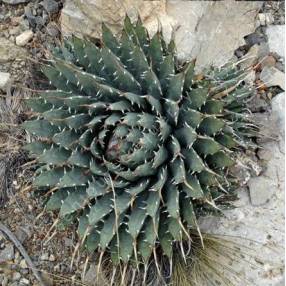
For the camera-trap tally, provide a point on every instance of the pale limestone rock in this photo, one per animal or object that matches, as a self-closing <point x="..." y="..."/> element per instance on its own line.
<point x="271" y="76"/>
<point x="262" y="19"/>
<point x="85" y="17"/>
<point x="211" y="30"/>
<point x="23" y="264"/>
<point x="208" y="31"/>
<point x="24" y="281"/>
<point x="265" y="19"/>
<point x="276" y="39"/>
<point x="52" y="258"/>
<point x="5" y="79"/>
<point x="187" y="16"/>
<point x="278" y="113"/>
<point x="163" y="22"/>
<point x="261" y="190"/>
<point x="24" y="38"/>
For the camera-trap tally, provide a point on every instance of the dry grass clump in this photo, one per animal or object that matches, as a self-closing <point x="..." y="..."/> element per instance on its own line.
<point x="11" y="139"/>
<point x="220" y="262"/>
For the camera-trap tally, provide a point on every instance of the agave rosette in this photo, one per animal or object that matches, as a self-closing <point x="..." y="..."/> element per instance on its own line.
<point x="132" y="143"/>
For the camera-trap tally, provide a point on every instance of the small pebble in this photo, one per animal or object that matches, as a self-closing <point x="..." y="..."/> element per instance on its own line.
<point x="52" y="258"/>
<point x="17" y="257"/>
<point x="17" y="210"/>
<point x="23" y="264"/>
<point x="262" y="19"/>
<point x="269" y="19"/>
<point x="25" y="281"/>
<point x="44" y="257"/>
<point x="24" y="38"/>
<point x="16" y="276"/>
<point x="5" y="79"/>
<point x="265" y="19"/>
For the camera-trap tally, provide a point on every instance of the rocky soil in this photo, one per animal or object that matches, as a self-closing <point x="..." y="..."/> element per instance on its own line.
<point x="213" y="32"/>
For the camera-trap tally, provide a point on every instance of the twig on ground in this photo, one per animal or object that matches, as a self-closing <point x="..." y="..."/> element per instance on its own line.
<point x="23" y="252"/>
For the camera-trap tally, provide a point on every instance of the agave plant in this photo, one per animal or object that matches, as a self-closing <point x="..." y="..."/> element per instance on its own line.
<point x="134" y="145"/>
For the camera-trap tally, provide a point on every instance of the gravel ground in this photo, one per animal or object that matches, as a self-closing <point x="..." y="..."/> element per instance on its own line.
<point x="30" y="29"/>
<point x="26" y="32"/>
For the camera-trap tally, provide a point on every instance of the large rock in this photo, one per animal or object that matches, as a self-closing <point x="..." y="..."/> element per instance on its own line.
<point x="261" y="190"/>
<point x="209" y="31"/>
<point x="278" y="117"/>
<point x="271" y="76"/>
<point x="278" y="112"/>
<point x="85" y="17"/>
<point x="276" y="39"/>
